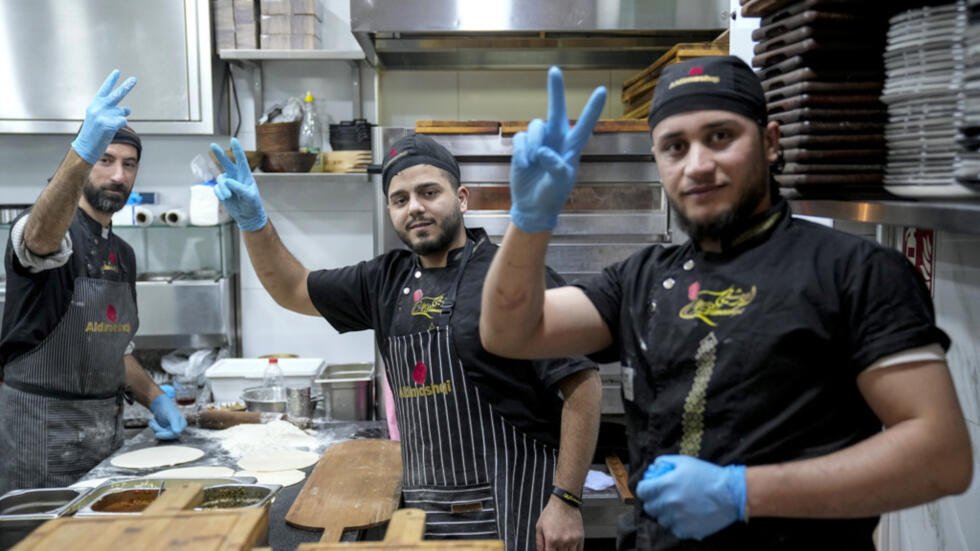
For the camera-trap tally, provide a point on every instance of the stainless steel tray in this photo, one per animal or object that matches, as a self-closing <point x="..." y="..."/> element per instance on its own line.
<point x="84" y="504"/>
<point x="21" y="511"/>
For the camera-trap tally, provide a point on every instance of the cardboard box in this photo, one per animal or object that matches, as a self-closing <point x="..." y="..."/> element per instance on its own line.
<point x="230" y="376"/>
<point x="289" y="24"/>
<point x="289" y="41"/>
<point x="292" y="7"/>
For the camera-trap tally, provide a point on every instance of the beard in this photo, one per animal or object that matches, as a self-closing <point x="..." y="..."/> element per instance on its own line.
<point x="435" y="243"/>
<point x="721" y="225"/>
<point x="102" y="200"/>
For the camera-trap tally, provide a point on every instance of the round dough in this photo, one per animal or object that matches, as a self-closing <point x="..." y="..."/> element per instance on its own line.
<point x="278" y="460"/>
<point x="283" y="478"/>
<point x="156" y="456"/>
<point x="208" y="471"/>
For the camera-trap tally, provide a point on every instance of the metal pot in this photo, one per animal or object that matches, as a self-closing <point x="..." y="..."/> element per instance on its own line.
<point x="262" y="398"/>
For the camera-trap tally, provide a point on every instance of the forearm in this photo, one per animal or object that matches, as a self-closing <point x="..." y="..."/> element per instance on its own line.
<point x="282" y="275"/>
<point x="143" y="388"/>
<point x="513" y="293"/>
<point x="579" y="429"/>
<point x="55" y="207"/>
<point x="909" y="463"/>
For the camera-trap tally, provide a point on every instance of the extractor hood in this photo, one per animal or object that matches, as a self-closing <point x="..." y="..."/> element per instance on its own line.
<point x="526" y="34"/>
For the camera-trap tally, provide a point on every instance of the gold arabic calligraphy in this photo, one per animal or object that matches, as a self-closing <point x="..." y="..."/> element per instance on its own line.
<point x="713" y="304"/>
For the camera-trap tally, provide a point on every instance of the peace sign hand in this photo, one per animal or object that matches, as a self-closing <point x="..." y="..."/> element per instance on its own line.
<point x="103" y="118"/>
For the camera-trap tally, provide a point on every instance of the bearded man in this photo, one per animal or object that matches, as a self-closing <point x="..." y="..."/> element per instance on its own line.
<point x="491" y="448"/>
<point x="70" y="315"/>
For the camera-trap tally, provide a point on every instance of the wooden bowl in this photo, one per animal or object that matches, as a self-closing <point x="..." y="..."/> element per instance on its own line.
<point x="253" y="157"/>
<point x="288" y="161"/>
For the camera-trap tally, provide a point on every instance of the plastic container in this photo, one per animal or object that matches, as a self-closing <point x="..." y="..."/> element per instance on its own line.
<point x="205" y="208"/>
<point x="230" y="376"/>
<point x="310" y="133"/>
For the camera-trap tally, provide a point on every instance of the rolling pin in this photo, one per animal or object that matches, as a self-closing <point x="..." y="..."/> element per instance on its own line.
<point x="218" y="419"/>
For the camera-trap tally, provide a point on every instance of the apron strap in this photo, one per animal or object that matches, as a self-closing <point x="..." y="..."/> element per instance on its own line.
<point x="450" y="302"/>
<point x="118" y="394"/>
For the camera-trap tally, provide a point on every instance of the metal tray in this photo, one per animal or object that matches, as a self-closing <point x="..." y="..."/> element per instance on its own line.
<point x="21" y="511"/>
<point x="138" y="483"/>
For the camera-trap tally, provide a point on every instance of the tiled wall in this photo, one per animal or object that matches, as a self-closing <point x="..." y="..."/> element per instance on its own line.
<point x="951" y="524"/>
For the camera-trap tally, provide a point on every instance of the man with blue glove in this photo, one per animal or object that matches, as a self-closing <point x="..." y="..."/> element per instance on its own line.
<point x="761" y="358"/>
<point x="70" y="315"/>
<point x="491" y="448"/>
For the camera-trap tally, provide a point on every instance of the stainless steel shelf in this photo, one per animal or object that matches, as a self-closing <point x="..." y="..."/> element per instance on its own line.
<point x="310" y="178"/>
<point x="288" y="55"/>
<point x="955" y="217"/>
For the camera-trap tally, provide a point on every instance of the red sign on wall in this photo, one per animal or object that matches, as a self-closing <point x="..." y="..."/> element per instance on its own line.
<point x="919" y="246"/>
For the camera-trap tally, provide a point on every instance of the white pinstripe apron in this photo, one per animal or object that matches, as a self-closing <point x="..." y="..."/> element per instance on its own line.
<point x="61" y="403"/>
<point x="474" y="474"/>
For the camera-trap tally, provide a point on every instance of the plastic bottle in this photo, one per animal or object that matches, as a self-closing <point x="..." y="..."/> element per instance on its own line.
<point x="205" y="208"/>
<point x="273" y="378"/>
<point x="310" y="137"/>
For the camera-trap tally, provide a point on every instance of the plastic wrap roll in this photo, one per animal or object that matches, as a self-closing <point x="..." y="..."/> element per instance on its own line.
<point x="142" y="216"/>
<point x="174" y="217"/>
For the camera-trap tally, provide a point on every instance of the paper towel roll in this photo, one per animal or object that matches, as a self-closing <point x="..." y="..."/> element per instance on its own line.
<point x="175" y="217"/>
<point x="142" y="216"/>
<point x="123" y="216"/>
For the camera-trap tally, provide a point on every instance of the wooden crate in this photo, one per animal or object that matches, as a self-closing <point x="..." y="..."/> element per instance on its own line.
<point x="638" y="89"/>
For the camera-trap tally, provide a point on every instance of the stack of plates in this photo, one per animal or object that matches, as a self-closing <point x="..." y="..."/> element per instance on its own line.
<point x="820" y="63"/>
<point x="925" y="60"/>
<point x="967" y="166"/>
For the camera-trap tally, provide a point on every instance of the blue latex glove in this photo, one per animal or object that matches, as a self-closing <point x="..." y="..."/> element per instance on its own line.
<point x="103" y="118"/>
<point x="237" y="190"/>
<point x="542" y="169"/>
<point x="167" y="422"/>
<point x="691" y="497"/>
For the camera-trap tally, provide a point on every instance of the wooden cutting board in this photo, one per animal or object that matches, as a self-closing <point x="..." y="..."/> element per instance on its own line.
<point x="456" y="127"/>
<point x="405" y="532"/>
<point x="164" y="525"/>
<point x="355" y="485"/>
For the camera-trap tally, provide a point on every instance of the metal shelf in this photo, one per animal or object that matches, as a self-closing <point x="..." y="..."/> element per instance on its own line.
<point x="955" y="217"/>
<point x="289" y="55"/>
<point x="310" y="177"/>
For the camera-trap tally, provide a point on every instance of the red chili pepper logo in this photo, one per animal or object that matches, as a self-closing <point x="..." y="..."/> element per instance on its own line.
<point x="111" y="314"/>
<point x="695" y="71"/>
<point x="418" y="374"/>
<point x="112" y="258"/>
<point x="693" y="290"/>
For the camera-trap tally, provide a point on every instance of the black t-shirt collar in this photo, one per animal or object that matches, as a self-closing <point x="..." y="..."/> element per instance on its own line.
<point x="92" y="225"/>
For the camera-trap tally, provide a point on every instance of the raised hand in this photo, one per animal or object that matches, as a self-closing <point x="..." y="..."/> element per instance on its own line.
<point x="237" y="190"/>
<point x="103" y="118"/>
<point x="545" y="158"/>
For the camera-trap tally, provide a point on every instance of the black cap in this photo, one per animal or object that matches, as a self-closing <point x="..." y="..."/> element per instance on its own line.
<point x="128" y="136"/>
<point x="416" y="149"/>
<point x="725" y="83"/>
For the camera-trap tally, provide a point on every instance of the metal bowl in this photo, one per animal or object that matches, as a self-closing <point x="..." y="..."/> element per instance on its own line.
<point x="261" y="398"/>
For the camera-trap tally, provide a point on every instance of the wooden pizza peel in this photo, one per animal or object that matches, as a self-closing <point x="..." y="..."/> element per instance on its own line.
<point x="355" y="485"/>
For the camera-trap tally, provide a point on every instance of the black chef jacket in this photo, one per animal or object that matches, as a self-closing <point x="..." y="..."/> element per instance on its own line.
<point x="365" y="295"/>
<point x="750" y="356"/>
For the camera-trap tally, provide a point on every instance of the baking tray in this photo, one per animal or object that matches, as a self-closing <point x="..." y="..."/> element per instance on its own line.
<point x="831" y="127"/>
<point x="828" y="168"/>
<point x="831" y="141"/>
<point x="809" y="18"/>
<point x="827" y="52"/>
<point x="835" y="155"/>
<point x="830" y="101"/>
<point x="824" y="88"/>
<point x="830" y="67"/>
<point x="812" y="114"/>
<point x="834" y="6"/>
<point x="777" y="79"/>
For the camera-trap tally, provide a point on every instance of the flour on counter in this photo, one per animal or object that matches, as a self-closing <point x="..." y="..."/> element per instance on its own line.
<point x="248" y="439"/>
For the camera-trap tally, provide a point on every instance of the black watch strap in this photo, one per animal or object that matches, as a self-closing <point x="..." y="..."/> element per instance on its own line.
<point x="567" y="497"/>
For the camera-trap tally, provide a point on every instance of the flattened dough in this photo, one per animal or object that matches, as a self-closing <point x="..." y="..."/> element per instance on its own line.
<point x="206" y="471"/>
<point x="278" y="460"/>
<point x="283" y="478"/>
<point x="155" y="457"/>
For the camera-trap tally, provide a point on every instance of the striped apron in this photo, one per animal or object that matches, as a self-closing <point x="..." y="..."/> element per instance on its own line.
<point x="474" y="474"/>
<point x="61" y="403"/>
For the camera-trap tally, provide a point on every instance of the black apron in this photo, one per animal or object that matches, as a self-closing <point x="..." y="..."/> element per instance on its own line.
<point x="473" y="473"/>
<point x="61" y="403"/>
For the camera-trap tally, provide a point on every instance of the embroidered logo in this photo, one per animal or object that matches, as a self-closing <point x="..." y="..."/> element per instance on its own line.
<point x="112" y="263"/>
<point x="444" y="387"/>
<point x="418" y="373"/>
<point x="707" y="305"/>
<point x="427" y="306"/>
<point x="111" y="314"/>
<point x="695" y="75"/>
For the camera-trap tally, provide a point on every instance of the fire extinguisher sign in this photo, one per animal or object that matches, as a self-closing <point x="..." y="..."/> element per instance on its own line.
<point x="919" y="246"/>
